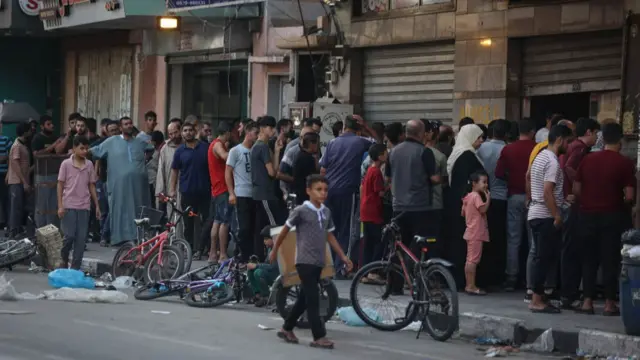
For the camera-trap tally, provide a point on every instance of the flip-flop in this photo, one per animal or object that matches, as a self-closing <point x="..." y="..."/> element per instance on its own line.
<point x="611" y="313"/>
<point x="318" y="345"/>
<point x="287" y="337"/>
<point x="580" y="310"/>
<point x="477" y="292"/>
<point x="548" y="309"/>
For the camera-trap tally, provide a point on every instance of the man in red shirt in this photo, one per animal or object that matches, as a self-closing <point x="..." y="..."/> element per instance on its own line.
<point x="221" y="210"/>
<point x="604" y="184"/>
<point x="512" y="167"/>
<point x="570" y="269"/>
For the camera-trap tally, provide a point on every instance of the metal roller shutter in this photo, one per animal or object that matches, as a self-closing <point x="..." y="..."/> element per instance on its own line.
<point x="407" y="83"/>
<point x="104" y="82"/>
<point x="572" y="63"/>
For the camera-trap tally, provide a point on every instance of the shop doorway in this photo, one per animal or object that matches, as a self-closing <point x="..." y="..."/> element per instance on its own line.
<point x="572" y="106"/>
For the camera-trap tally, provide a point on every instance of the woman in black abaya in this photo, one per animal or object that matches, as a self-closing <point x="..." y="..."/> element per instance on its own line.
<point x="461" y="164"/>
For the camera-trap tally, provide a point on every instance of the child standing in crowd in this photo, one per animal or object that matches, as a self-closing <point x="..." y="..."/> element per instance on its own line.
<point x="314" y="230"/>
<point x="76" y="188"/>
<point x="474" y="210"/>
<point x="371" y="215"/>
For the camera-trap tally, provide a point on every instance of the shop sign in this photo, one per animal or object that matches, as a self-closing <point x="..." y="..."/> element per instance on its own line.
<point x="30" y="7"/>
<point x="204" y="4"/>
<point x="60" y="8"/>
<point x="112" y="5"/>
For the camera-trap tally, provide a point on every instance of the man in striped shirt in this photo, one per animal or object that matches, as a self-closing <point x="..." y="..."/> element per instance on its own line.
<point x="545" y="214"/>
<point x="5" y="146"/>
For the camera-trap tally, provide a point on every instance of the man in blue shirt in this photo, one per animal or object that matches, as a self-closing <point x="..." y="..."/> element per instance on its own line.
<point x="341" y="165"/>
<point x="191" y="167"/>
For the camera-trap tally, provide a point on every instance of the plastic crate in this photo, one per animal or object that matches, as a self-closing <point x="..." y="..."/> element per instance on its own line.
<point x="154" y="216"/>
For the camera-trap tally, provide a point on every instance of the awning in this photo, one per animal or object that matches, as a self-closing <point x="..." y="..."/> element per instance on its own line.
<point x="17" y="113"/>
<point x="191" y="5"/>
<point x="205" y="56"/>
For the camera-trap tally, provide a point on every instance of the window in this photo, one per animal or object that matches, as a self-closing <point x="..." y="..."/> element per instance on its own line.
<point x="377" y="6"/>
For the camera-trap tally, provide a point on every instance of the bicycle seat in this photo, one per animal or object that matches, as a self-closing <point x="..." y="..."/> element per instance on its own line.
<point x="139" y="222"/>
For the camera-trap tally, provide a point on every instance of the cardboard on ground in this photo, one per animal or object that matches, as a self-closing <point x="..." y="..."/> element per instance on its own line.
<point x="287" y="259"/>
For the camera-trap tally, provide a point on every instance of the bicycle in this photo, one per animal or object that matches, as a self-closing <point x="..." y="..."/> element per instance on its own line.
<point x="176" y="217"/>
<point x="176" y="286"/>
<point x="226" y="284"/>
<point x="138" y="260"/>
<point x="423" y="284"/>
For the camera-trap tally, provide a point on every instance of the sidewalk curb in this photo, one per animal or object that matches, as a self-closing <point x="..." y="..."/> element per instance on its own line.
<point x="477" y="325"/>
<point x="95" y="267"/>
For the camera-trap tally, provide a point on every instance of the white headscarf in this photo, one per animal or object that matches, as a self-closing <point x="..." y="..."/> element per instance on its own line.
<point x="464" y="142"/>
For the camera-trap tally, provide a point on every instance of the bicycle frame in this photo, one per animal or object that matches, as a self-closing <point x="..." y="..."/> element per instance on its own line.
<point x="159" y="241"/>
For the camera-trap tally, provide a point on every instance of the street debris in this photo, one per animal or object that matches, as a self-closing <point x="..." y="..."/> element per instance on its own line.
<point x="70" y="278"/>
<point x="9" y="293"/>
<point x="544" y="343"/>
<point x="490" y="341"/>
<point x="16" y="312"/>
<point x="499" y="351"/>
<point x="160" y="312"/>
<point x="106" y="277"/>
<point x="35" y="268"/>
<point x="123" y="282"/>
<point x="349" y="316"/>
<point x="264" y="327"/>
<point x="583" y="355"/>
<point x="86" y="295"/>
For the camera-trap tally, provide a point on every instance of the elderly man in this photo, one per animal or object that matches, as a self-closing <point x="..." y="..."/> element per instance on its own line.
<point x="163" y="179"/>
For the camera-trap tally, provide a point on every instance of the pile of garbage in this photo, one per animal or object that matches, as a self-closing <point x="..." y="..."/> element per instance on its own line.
<point x="72" y="285"/>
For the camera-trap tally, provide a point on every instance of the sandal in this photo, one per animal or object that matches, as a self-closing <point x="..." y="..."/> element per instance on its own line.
<point x="322" y="344"/>
<point x="580" y="310"/>
<point x="197" y="255"/>
<point x="547" y="309"/>
<point x="615" y="312"/>
<point x="104" y="243"/>
<point x="288" y="336"/>
<point x="476" y="292"/>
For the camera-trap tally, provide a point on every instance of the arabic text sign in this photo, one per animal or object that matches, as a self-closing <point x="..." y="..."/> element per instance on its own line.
<point x="203" y="4"/>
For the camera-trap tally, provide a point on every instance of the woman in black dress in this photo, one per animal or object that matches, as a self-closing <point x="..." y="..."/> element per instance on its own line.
<point x="461" y="164"/>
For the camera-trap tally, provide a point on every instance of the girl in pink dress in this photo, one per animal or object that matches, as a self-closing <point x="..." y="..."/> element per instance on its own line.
<point x="474" y="209"/>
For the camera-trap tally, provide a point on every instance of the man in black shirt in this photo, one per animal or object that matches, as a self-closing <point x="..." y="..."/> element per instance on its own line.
<point x="45" y="141"/>
<point x="305" y="164"/>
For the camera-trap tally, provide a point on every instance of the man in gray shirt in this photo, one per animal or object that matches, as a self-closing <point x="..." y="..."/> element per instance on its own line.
<point x="264" y="164"/>
<point x="238" y="178"/>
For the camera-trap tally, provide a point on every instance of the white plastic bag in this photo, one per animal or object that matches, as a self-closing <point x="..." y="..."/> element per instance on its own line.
<point x="123" y="282"/>
<point x="86" y="295"/>
<point x="9" y="293"/>
<point x="544" y="342"/>
<point x="349" y="316"/>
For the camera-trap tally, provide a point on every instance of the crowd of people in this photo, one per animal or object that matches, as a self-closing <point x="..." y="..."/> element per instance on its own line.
<point x="562" y="194"/>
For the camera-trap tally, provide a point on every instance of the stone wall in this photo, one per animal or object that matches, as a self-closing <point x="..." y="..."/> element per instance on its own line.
<point x="486" y="84"/>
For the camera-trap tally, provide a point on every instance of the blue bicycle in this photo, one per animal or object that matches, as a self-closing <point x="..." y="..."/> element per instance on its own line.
<point x="225" y="285"/>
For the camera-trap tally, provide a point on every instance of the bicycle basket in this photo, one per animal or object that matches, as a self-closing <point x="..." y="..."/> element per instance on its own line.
<point x="155" y="216"/>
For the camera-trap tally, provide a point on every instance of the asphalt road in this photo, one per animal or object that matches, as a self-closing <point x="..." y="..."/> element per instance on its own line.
<point x="168" y="329"/>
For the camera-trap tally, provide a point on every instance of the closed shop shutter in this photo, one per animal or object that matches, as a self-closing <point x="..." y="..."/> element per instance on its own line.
<point x="407" y="83"/>
<point x="104" y="82"/>
<point x="572" y="63"/>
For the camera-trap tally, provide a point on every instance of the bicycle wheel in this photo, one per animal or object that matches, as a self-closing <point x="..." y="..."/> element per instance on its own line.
<point x="184" y="246"/>
<point x="153" y="291"/>
<point x="118" y="268"/>
<point x="380" y="273"/>
<point x="438" y="288"/>
<point x="171" y="267"/>
<point x="210" y="297"/>
<point x="287" y="296"/>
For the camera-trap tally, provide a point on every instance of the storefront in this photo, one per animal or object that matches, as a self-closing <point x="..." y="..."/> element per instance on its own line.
<point x="209" y="72"/>
<point x="576" y="75"/>
<point x="409" y="82"/>
<point x="104" y="65"/>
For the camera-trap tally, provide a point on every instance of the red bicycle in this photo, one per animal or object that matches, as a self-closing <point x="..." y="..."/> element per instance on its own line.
<point x="154" y="259"/>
